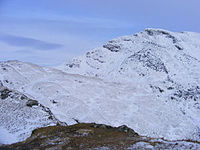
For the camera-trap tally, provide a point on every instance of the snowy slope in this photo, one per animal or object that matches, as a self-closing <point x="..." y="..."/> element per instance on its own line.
<point x="87" y="99"/>
<point x="19" y="115"/>
<point x="148" y="81"/>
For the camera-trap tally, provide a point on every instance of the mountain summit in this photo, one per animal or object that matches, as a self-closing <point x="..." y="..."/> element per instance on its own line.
<point x="153" y="54"/>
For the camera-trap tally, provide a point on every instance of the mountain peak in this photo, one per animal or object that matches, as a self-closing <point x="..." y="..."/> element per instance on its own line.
<point x="144" y="53"/>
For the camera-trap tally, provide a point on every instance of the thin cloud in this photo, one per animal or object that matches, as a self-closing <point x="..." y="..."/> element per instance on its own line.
<point x="28" y="42"/>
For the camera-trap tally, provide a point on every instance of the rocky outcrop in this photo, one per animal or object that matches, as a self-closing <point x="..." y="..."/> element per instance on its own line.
<point x="149" y="60"/>
<point x="95" y="136"/>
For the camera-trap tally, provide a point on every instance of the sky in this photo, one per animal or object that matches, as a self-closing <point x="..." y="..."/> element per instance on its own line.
<point x="49" y="32"/>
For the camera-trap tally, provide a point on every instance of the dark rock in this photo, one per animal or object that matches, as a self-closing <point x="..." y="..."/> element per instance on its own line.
<point x="70" y="65"/>
<point x="5" y="93"/>
<point x="172" y="98"/>
<point x="31" y="103"/>
<point x="76" y="120"/>
<point x="54" y="102"/>
<point x="6" y="81"/>
<point x="148" y="59"/>
<point x="102" y="126"/>
<point x="149" y="32"/>
<point x="178" y="47"/>
<point x="170" y="88"/>
<point x="23" y="97"/>
<point x="112" y="47"/>
<point x="168" y="35"/>
<point x="157" y="32"/>
<point x="126" y="129"/>
<point x="73" y="65"/>
<point x="188" y="94"/>
<point x="122" y="128"/>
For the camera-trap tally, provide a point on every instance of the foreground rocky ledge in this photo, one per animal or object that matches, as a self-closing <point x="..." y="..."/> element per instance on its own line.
<point x="94" y="136"/>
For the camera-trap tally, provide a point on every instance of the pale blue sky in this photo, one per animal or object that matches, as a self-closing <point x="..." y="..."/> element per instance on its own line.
<point x="47" y="32"/>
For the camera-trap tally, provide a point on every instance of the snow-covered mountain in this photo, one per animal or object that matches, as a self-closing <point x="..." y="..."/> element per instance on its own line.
<point x="167" y="62"/>
<point x="151" y="55"/>
<point x="148" y="81"/>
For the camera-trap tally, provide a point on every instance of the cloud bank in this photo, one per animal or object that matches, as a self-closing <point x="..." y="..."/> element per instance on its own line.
<point x="28" y="42"/>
